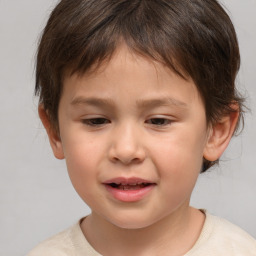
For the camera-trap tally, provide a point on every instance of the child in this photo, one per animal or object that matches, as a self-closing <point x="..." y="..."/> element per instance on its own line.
<point x="139" y="97"/>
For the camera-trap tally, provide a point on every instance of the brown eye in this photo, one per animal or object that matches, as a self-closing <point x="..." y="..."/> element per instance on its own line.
<point x="159" y="121"/>
<point x="95" y="121"/>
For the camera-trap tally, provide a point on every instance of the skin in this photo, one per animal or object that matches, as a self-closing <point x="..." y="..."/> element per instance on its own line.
<point x="134" y="117"/>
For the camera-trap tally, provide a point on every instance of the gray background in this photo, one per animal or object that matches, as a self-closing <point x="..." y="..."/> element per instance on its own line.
<point x="36" y="196"/>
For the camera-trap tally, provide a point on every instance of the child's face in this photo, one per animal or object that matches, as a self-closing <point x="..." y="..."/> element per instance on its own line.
<point x="131" y="122"/>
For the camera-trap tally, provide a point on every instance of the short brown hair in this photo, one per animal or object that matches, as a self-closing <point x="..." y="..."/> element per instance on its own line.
<point x="194" y="38"/>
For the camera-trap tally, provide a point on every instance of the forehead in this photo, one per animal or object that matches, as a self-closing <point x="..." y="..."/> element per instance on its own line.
<point x="128" y="73"/>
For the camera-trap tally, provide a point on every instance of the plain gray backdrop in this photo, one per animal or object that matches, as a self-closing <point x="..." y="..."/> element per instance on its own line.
<point x="37" y="199"/>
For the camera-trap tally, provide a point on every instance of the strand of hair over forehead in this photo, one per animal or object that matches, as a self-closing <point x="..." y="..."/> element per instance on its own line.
<point x="127" y="22"/>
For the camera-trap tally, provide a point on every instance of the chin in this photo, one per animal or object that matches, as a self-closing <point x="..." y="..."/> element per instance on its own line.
<point x="132" y="222"/>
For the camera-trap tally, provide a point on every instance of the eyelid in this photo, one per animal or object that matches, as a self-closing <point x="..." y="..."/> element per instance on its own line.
<point x="89" y="121"/>
<point x="167" y="120"/>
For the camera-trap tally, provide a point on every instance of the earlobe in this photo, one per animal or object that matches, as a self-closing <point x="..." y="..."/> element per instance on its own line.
<point x="220" y="135"/>
<point x="53" y="136"/>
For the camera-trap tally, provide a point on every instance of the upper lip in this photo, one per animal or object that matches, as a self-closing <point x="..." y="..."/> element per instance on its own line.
<point x="127" y="181"/>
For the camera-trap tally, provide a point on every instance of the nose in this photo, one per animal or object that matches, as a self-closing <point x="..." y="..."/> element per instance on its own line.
<point x="127" y="145"/>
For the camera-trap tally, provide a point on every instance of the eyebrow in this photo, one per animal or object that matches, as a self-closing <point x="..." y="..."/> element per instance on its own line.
<point x="141" y="103"/>
<point x="165" y="101"/>
<point x="98" y="102"/>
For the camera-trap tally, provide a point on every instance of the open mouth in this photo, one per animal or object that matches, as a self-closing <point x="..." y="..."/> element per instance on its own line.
<point x="129" y="189"/>
<point x="135" y="186"/>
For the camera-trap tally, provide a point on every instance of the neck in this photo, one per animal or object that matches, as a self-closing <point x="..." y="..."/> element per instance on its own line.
<point x="173" y="235"/>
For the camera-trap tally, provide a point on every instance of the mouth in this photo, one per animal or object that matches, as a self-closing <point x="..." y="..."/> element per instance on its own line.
<point x="129" y="189"/>
<point x="133" y="186"/>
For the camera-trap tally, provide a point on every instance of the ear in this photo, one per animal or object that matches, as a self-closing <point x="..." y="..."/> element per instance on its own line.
<point x="220" y="135"/>
<point x="53" y="136"/>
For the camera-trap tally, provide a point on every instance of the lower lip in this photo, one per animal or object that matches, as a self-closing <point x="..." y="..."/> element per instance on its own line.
<point x="130" y="195"/>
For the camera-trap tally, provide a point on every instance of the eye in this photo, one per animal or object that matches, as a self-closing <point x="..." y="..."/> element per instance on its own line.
<point x="159" y="121"/>
<point x="95" y="121"/>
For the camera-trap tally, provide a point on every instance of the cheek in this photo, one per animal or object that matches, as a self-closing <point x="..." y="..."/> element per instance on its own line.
<point x="178" y="177"/>
<point x="178" y="162"/>
<point x="82" y="159"/>
<point x="180" y="154"/>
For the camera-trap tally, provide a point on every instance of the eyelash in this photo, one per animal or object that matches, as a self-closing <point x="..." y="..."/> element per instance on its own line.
<point x="97" y="122"/>
<point x="164" y="121"/>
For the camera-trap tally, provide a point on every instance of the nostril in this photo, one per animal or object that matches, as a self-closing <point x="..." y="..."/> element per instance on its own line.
<point x="126" y="154"/>
<point x="126" y="160"/>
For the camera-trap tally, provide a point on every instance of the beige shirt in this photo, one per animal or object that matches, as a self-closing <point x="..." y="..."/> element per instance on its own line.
<point x="218" y="238"/>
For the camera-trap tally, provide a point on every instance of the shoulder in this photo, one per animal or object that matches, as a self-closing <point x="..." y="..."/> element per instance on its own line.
<point x="220" y="237"/>
<point x="70" y="242"/>
<point x="60" y="244"/>
<point x="232" y="235"/>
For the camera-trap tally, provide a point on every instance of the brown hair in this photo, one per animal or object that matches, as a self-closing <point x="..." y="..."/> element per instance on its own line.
<point x="194" y="38"/>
